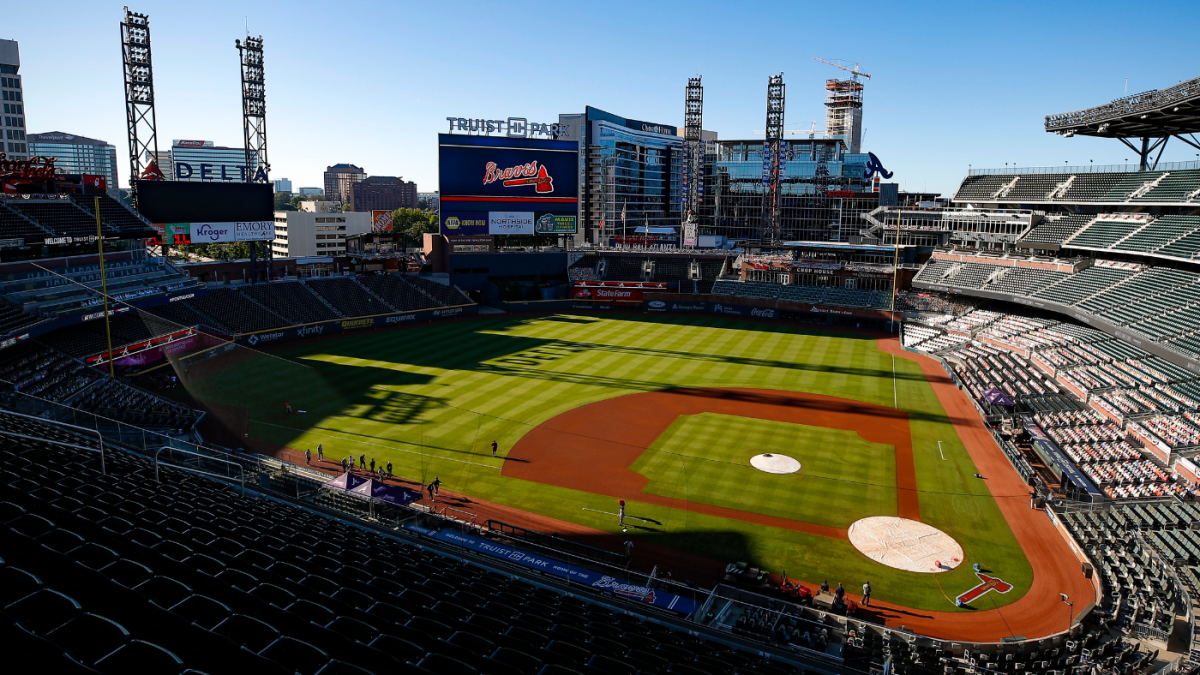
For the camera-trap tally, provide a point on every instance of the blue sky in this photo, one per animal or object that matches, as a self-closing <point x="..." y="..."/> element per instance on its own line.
<point x="955" y="84"/>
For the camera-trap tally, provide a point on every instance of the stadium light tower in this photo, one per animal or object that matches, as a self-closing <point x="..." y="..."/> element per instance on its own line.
<point x="254" y="108"/>
<point x="693" y="156"/>
<point x="139" y="97"/>
<point x="772" y="147"/>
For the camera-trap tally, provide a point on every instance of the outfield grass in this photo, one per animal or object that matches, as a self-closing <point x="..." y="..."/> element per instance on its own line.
<point x="706" y="458"/>
<point x="431" y="399"/>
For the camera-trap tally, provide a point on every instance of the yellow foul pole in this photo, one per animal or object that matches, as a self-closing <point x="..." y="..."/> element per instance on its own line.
<point x="104" y="290"/>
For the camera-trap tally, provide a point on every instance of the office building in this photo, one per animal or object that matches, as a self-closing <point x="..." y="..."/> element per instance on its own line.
<point x="823" y="193"/>
<point x="204" y="162"/>
<point x="283" y="185"/>
<point x="75" y="154"/>
<point x="315" y="233"/>
<point x="383" y="193"/>
<point x="627" y="166"/>
<point x="15" y="145"/>
<point x="305" y="192"/>
<point x="339" y="179"/>
<point x="432" y="200"/>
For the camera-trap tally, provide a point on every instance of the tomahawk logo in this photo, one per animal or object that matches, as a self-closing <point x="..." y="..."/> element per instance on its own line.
<point x="873" y="166"/>
<point x="986" y="585"/>
<point x="517" y="176"/>
<point x="628" y="590"/>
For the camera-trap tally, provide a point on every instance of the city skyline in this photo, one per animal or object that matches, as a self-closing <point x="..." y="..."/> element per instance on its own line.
<point x="949" y="89"/>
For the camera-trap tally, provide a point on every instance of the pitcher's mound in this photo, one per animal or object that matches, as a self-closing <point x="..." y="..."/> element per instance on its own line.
<point x="772" y="463"/>
<point x="905" y="544"/>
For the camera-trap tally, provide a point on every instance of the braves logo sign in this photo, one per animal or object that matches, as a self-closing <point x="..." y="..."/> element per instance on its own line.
<point x="627" y="590"/>
<point x="986" y="585"/>
<point x="516" y="176"/>
<point x="873" y="166"/>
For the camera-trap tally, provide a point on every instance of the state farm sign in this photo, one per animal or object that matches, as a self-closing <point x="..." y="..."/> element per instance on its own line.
<point x="634" y="294"/>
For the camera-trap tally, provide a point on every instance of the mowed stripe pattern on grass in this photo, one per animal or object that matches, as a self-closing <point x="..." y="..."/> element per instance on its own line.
<point x="432" y="398"/>
<point x="706" y="458"/>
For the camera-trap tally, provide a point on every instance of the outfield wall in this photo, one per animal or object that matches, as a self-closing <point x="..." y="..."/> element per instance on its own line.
<point x="750" y="308"/>
<point x="721" y="305"/>
<point x="307" y="330"/>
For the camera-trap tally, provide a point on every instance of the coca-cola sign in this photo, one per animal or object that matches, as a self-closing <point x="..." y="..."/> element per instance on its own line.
<point x="34" y="167"/>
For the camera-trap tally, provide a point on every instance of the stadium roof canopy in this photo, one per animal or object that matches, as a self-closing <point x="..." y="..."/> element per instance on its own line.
<point x="1151" y="114"/>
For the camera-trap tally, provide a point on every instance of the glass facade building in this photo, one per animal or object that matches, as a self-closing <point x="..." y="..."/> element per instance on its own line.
<point x="78" y="154"/>
<point x="822" y="191"/>
<point x="14" y="143"/>
<point x="628" y="165"/>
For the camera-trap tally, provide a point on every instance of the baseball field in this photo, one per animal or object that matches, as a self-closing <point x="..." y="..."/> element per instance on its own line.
<point x="663" y="412"/>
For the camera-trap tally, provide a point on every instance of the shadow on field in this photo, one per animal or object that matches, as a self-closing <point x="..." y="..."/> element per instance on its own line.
<point x="697" y="557"/>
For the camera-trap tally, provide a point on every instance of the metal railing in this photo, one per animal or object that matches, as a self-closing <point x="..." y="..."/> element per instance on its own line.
<point x="99" y="438"/>
<point x="1086" y="168"/>
<point x="204" y="458"/>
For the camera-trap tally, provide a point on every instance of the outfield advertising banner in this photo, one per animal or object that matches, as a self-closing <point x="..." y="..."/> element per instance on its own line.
<point x="270" y="337"/>
<point x="727" y="309"/>
<point x="510" y="222"/>
<point x="549" y="223"/>
<point x="579" y="575"/>
<point x="213" y="233"/>
<point x="673" y="306"/>
<point x="603" y="293"/>
<point x="464" y="223"/>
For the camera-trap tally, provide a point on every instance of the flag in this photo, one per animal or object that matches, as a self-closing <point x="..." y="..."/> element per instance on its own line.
<point x="622" y="213"/>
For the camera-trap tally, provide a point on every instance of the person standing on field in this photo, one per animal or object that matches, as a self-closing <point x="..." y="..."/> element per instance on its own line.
<point x="308" y="457"/>
<point x="320" y="453"/>
<point x="494" y="449"/>
<point x="389" y="468"/>
<point x="866" y="594"/>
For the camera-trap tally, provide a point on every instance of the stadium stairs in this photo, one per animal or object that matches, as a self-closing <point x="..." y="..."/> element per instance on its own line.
<point x="155" y="570"/>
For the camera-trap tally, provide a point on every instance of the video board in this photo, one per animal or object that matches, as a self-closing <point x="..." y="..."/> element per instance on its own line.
<point x="507" y="186"/>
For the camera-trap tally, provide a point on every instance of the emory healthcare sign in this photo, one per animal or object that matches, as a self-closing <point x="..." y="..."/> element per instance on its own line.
<point x="215" y="233"/>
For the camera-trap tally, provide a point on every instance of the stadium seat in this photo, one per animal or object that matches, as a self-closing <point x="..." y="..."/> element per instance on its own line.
<point x="141" y="657"/>
<point x="295" y="655"/>
<point x="90" y="637"/>
<point x="446" y="665"/>
<point x="248" y="632"/>
<point x="43" y="610"/>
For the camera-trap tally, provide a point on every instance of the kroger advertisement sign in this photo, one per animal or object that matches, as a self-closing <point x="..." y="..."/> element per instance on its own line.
<point x="212" y="233"/>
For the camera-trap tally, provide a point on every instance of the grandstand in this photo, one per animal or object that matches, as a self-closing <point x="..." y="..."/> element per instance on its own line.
<point x="38" y="220"/>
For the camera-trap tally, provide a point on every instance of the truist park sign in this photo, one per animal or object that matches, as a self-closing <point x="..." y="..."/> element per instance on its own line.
<point x="513" y="127"/>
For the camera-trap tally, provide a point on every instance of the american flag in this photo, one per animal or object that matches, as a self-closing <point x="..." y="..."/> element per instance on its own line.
<point x="622" y="213"/>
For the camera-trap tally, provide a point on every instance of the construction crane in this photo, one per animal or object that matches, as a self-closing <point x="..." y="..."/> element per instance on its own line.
<point x="854" y="72"/>
<point x="812" y="131"/>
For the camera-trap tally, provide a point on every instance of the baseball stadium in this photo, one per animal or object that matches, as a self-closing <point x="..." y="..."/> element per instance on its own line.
<point x="778" y="418"/>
